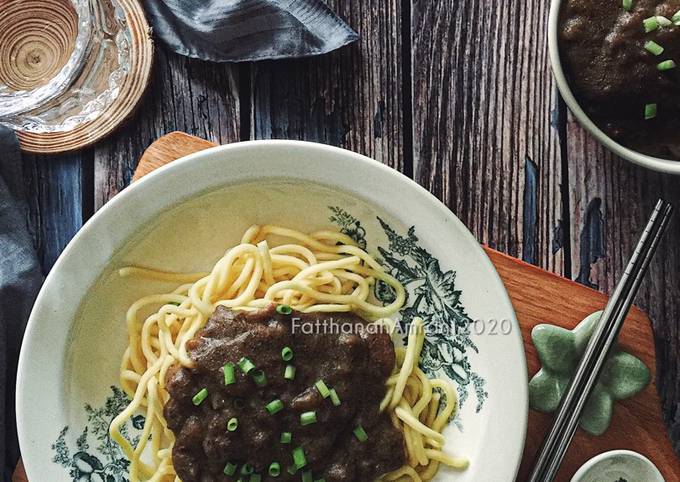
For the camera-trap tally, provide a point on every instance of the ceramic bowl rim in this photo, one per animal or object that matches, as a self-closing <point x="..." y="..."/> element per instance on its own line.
<point x="613" y="453"/>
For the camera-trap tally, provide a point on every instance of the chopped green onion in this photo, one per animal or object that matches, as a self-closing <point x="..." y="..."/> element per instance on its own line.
<point x="289" y="374"/>
<point x="323" y="388"/>
<point x="360" y="433"/>
<point x="232" y="424"/>
<point x="676" y="18"/>
<point x="299" y="458"/>
<point x="334" y="397"/>
<point x="247" y="469"/>
<point x="255" y="478"/>
<point x="292" y="470"/>
<point x="246" y="365"/>
<point x="274" y="469"/>
<point x="627" y="5"/>
<point x="274" y="406"/>
<point x="663" y="21"/>
<point x="284" y="309"/>
<point x="650" y="111"/>
<point x="260" y="378"/>
<point x="200" y="396"/>
<point x="230" y="469"/>
<point x="307" y="476"/>
<point x="287" y="353"/>
<point x="665" y="65"/>
<point x="229" y="376"/>
<point x="653" y="48"/>
<point x="286" y="437"/>
<point x="650" y="24"/>
<point x="308" y="418"/>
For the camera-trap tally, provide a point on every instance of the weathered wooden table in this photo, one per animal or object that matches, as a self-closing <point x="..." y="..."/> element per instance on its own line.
<point x="457" y="94"/>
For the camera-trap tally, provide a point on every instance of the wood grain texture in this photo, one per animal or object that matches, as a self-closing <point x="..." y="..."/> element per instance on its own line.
<point x="54" y="189"/>
<point x="350" y="98"/>
<point x="197" y="97"/>
<point x="539" y="297"/>
<point x="483" y="102"/>
<point x="19" y="474"/>
<point x="611" y="201"/>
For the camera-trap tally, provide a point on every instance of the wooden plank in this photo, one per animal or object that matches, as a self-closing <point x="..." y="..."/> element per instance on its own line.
<point x="197" y="97"/>
<point x="55" y="190"/>
<point x="483" y="105"/>
<point x="350" y="98"/>
<point x="538" y="297"/>
<point x="611" y="200"/>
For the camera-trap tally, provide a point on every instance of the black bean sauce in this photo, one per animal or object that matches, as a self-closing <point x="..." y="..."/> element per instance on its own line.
<point x="355" y="364"/>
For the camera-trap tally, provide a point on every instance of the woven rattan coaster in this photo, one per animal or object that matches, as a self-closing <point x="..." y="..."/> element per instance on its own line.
<point x="37" y="39"/>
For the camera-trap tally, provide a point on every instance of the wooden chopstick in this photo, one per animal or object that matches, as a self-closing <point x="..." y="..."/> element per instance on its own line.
<point x="589" y="368"/>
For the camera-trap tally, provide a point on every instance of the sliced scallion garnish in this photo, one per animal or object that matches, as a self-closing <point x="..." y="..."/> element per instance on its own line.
<point x="200" y="396"/>
<point x="274" y="406"/>
<point x="255" y="478"/>
<point x="334" y="397"/>
<point x="627" y="5"/>
<point x="229" y="376"/>
<point x="308" y="418"/>
<point x="259" y="378"/>
<point x="284" y="309"/>
<point x="247" y="469"/>
<point x="650" y="24"/>
<point x="246" y="365"/>
<point x="274" y="469"/>
<point x="360" y="433"/>
<point x="286" y="437"/>
<point x="307" y="476"/>
<point x="229" y="469"/>
<point x="323" y="388"/>
<point x="663" y="21"/>
<point x="289" y="373"/>
<point x="676" y="18"/>
<point x="299" y="458"/>
<point x="650" y="111"/>
<point x="665" y="65"/>
<point x="653" y="48"/>
<point x="287" y="353"/>
<point x="232" y="424"/>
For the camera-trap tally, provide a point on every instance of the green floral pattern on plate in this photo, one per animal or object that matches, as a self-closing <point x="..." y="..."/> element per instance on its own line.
<point x="104" y="461"/>
<point x="431" y="295"/>
<point x="559" y="351"/>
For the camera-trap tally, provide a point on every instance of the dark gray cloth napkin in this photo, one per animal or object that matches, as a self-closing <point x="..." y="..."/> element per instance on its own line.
<point x="20" y="280"/>
<point x="240" y="30"/>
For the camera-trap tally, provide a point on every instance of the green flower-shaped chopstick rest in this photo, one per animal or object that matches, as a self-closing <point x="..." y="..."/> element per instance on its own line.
<point x="559" y="351"/>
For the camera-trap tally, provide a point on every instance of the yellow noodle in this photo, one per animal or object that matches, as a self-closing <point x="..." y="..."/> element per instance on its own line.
<point x="323" y="271"/>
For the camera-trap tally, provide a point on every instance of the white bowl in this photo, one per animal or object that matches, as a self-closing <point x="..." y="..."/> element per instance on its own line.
<point x="182" y="217"/>
<point x="618" y="465"/>
<point x="654" y="163"/>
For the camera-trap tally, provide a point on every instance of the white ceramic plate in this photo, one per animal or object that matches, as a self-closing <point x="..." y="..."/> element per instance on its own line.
<point x="183" y="216"/>
<point x="657" y="164"/>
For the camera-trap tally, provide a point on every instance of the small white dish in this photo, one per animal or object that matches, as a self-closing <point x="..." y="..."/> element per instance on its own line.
<point x="657" y="164"/>
<point x="183" y="216"/>
<point x="618" y="466"/>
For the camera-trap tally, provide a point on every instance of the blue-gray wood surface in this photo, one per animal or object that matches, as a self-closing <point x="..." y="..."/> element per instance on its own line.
<point x="457" y="94"/>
